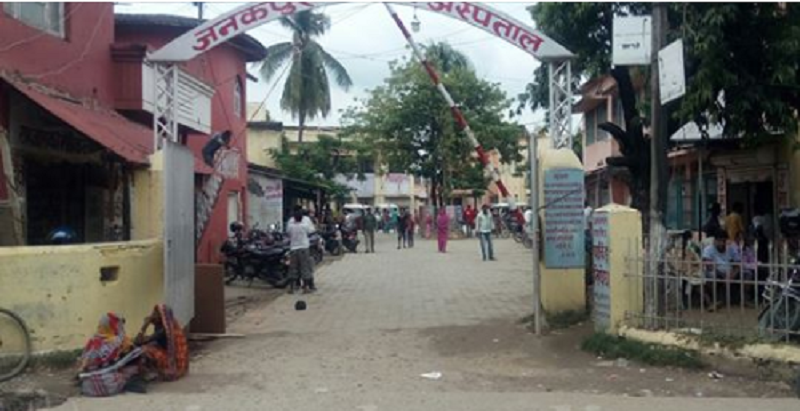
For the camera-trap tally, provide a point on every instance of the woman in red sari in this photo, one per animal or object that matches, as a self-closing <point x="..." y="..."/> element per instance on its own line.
<point x="166" y="351"/>
<point x="442" y="229"/>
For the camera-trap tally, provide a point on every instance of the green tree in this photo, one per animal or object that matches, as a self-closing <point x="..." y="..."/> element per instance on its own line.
<point x="306" y="93"/>
<point x="323" y="161"/>
<point x="410" y="124"/>
<point x="750" y="52"/>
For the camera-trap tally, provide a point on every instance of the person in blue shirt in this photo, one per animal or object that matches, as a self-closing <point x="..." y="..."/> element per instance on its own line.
<point x="721" y="265"/>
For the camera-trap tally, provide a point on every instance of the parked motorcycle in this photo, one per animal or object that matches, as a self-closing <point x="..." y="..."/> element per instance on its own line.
<point x="332" y="240"/>
<point x="350" y="239"/>
<point x="256" y="255"/>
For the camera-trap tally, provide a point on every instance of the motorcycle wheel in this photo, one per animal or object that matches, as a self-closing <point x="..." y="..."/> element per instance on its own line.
<point x="518" y="237"/>
<point x="230" y="275"/>
<point x="527" y="242"/>
<point x="779" y="318"/>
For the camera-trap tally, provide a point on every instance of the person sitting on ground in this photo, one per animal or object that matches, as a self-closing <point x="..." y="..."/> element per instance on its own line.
<point x="106" y="368"/>
<point x="165" y="351"/>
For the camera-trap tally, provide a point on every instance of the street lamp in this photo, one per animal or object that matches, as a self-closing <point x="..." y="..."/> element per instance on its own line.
<point x="415" y="23"/>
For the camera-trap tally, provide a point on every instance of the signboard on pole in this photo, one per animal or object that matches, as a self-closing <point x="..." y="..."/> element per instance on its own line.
<point x="564" y="221"/>
<point x="631" y="45"/>
<point x="671" y="73"/>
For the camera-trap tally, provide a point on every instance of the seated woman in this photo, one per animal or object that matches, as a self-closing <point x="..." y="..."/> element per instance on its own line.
<point x="165" y="351"/>
<point x="106" y="363"/>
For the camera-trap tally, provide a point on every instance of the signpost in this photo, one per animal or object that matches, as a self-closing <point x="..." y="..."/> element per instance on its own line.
<point x="632" y="41"/>
<point x="564" y="219"/>
<point x="671" y="76"/>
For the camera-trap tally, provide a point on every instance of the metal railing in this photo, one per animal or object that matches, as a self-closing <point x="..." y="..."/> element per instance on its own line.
<point x="750" y="301"/>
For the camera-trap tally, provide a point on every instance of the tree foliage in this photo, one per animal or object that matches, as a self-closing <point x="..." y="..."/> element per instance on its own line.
<point x="306" y="92"/>
<point x="410" y="124"/>
<point x="750" y="52"/>
<point x="324" y="160"/>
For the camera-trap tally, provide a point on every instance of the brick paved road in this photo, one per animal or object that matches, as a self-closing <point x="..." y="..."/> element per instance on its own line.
<point x="411" y="288"/>
<point x="381" y="320"/>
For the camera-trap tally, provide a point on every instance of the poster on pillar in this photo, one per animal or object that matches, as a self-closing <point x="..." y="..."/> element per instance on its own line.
<point x="564" y="221"/>
<point x="600" y="269"/>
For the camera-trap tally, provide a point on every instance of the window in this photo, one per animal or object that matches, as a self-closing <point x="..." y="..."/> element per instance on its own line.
<point x="44" y="16"/>
<point x="590" y="127"/>
<point x="237" y="97"/>
<point x="602" y="117"/>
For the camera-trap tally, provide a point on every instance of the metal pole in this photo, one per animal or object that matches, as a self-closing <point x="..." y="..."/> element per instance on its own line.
<point x="534" y="184"/>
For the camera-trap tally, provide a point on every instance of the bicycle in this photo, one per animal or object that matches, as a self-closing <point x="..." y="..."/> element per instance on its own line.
<point x="15" y="345"/>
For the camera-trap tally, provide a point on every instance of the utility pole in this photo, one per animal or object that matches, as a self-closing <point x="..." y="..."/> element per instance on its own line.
<point x="200" y="8"/>
<point x="658" y="165"/>
<point x="534" y="184"/>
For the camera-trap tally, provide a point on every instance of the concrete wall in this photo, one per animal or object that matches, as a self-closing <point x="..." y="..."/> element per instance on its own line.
<point x="59" y="292"/>
<point x="563" y="289"/>
<point x="259" y="143"/>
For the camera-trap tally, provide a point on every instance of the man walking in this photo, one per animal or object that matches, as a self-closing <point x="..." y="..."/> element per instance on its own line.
<point x="469" y="220"/>
<point x="411" y="226"/>
<point x="301" y="266"/>
<point x="485" y="226"/>
<point x="402" y="226"/>
<point x="370" y="224"/>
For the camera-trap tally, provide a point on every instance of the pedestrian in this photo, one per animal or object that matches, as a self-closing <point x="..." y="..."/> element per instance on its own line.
<point x="411" y="225"/>
<point x="485" y="226"/>
<point x="393" y="219"/>
<point x="428" y="225"/>
<point x="442" y="229"/>
<point x="301" y="266"/>
<point x="402" y="223"/>
<point x="713" y="225"/>
<point x="498" y="222"/>
<point x="386" y="221"/>
<point x="469" y="219"/>
<point x="370" y="224"/>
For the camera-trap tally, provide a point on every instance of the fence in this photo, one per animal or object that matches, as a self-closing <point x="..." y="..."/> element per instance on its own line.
<point x="685" y="294"/>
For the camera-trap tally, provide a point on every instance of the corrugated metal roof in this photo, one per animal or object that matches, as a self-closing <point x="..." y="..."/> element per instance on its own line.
<point x="128" y="139"/>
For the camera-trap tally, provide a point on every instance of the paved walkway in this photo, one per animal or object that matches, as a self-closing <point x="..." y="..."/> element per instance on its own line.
<point x="382" y="320"/>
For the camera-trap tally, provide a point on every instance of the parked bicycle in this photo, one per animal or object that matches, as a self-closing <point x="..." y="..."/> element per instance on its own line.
<point x="15" y="345"/>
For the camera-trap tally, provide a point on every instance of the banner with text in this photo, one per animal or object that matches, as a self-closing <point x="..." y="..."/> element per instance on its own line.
<point x="564" y="219"/>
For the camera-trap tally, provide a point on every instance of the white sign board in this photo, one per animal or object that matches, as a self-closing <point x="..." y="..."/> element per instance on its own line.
<point x="671" y="75"/>
<point x="632" y="42"/>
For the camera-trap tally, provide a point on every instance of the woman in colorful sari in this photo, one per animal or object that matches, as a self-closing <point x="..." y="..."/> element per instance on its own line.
<point x="442" y="229"/>
<point x="165" y="352"/>
<point x="104" y="364"/>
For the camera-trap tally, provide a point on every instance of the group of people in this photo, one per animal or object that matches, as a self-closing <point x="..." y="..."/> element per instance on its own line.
<point x="112" y="362"/>
<point x="403" y="222"/>
<point x="730" y="254"/>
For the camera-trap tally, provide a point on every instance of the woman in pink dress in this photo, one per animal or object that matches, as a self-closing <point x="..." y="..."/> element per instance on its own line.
<point x="443" y="227"/>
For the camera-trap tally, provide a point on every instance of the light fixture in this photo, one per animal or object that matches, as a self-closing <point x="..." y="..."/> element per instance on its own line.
<point x="415" y="23"/>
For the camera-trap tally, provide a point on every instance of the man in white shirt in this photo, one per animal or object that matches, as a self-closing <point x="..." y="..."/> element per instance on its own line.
<point x="301" y="266"/>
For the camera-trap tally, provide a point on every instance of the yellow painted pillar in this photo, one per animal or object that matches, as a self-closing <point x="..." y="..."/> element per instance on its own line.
<point x="616" y="236"/>
<point x="561" y="194"/>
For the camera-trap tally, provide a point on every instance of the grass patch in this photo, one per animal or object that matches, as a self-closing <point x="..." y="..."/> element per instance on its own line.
<point x="610" y="346"/>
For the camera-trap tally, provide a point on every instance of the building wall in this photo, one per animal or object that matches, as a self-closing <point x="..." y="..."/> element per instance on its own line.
<point x="220" y="67"/>
<point x="79" y="64"/>
<point x="259" y="143"/>
<point x="59" y="293"/>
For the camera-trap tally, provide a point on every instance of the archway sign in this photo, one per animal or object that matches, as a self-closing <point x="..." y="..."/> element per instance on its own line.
<point x="227" y="26"/>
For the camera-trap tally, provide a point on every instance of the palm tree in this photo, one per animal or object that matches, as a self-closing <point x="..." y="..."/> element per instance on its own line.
<point x="446" y="58"/>
<point x="306" y="93"/>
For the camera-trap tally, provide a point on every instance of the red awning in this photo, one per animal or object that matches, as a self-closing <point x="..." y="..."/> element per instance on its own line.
<point x="128" y="139"/>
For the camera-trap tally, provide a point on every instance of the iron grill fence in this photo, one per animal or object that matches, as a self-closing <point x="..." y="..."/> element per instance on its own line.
<point x="751" y="301"/>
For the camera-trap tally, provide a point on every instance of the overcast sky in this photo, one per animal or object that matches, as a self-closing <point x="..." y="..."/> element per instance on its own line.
<point x="364" y="39"/>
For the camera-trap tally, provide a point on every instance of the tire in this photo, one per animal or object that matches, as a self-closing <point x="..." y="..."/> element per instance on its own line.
<point x="13" y="363"/>
<point x="527" y="242"/>
<point x="230" y="274"/>
<point x="783" y="315"/>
